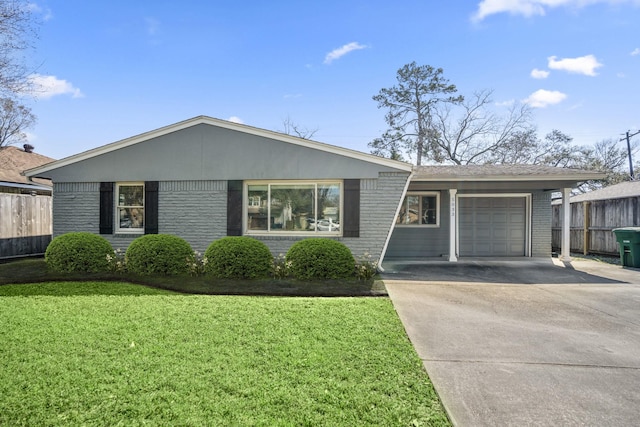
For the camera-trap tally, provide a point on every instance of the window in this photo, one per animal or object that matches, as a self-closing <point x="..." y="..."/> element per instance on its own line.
<point x="420" y="209"/>
<point x="129" y="208"/>
<point x="293" y="207"/>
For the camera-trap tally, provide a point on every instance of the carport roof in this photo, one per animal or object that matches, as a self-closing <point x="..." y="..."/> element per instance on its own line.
<point x="501" y="173"/>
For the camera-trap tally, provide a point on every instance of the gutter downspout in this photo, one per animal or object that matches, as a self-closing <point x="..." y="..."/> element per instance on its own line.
<point x="393" y="224"/>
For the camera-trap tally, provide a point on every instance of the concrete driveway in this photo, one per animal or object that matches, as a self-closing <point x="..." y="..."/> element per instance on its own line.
<point x="525" y="349"/>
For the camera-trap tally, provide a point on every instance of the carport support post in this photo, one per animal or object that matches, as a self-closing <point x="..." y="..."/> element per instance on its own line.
<point x="452" y="225"/>
<point x="565" y="253"/>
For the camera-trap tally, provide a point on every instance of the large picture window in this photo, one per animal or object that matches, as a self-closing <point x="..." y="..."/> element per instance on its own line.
<point x="420" y="209"/>
<point x="129" y="209"/>
<point x="293" y="207"/>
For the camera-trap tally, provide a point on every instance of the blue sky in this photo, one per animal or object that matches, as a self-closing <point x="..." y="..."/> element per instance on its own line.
<point x="111" y="70"/>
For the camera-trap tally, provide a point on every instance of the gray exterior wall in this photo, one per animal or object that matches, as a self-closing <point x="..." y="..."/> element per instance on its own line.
<point x="422" y="242"/>
<point x="205" y="153"/>
<point x="76" y="207"/>
<point x="193" y="210"/>
<point x="197" y="212"/>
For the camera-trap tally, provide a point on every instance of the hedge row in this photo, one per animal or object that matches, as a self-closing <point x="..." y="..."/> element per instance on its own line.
<point x="229" y="258"/>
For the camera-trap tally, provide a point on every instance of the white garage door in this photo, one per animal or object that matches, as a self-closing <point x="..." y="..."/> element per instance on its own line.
<point x="492" y="226"/>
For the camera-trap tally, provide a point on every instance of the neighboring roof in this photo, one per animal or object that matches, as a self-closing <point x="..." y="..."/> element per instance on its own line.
<point x="36" y="187"/>
<point x="14" y="160"/>
<point x="500" y="173"/>
<point x="222" y="124"/>
<point x="617" y="191"/>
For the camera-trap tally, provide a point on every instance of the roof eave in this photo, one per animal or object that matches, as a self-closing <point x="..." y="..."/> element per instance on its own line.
<point x="510" y="178"/>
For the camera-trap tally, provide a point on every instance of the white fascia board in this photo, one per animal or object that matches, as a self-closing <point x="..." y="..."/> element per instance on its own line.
<point x="510" y="178"/>
<point x="370" y="158"/>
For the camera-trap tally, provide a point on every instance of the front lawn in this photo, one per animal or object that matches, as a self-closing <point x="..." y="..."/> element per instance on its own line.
<point x="108" y="353"/>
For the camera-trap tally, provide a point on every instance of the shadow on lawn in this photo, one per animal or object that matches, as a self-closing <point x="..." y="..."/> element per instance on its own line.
<point x="35" y="271"/>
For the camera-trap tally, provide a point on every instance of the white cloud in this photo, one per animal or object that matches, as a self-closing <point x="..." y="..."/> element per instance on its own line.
<point x="292" y="95"/>
<point x="539" y="74"/>
<point x="514" y="7"/>
<point x="45" y="87"/>
<point x="341" y="51"/>
<point x="543" y="98"/>
<point x="635" y="52"/>
<point x="582" y="65"/>
<point x="235" y="119"/>
<point x="529" y="8"/>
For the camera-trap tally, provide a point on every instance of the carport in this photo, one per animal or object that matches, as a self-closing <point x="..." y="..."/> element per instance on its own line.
<point x="504" y="211"/>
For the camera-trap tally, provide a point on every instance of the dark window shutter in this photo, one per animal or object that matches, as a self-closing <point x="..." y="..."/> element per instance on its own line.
<point x="151" y="207"/>
<point x="234" y="208"/>
<point x="106" y="207"/>
<point x="351" y="204"/>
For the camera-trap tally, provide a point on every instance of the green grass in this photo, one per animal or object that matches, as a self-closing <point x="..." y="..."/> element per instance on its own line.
<point x="108" y="353"/>
<point x="35" y="270"/>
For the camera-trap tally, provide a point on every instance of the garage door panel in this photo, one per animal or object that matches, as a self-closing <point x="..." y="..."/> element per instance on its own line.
<point x="499" y="234"/>
<point x="492" y="226"/>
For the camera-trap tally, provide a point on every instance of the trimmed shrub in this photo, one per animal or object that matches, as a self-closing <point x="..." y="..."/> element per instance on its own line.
<point x="161" y="254"/>
<point x="78" y="252"/>
<point x="238" y="257"/>
<point x="320" y="258"/>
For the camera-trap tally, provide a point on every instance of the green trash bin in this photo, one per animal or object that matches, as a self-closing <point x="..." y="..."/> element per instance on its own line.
<point x="629" y="241"/>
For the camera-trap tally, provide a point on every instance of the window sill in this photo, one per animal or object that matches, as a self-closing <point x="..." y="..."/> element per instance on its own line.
<point x="285" y="234"/>
<point x="128" y="233"/>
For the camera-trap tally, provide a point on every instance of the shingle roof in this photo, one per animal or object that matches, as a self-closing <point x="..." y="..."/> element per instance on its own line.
<point x="617" y="191"/>
<point x="499" y="172"/>
<point x="14" y="160"/>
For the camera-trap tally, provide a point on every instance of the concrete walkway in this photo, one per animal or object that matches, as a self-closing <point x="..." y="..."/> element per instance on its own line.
<point x="531" y="351"/>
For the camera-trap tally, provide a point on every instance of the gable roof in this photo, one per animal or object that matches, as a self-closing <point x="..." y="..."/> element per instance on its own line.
<point x="222" y="124"/>
<point x="501" y="173"/>
<point x="14" y="160"/>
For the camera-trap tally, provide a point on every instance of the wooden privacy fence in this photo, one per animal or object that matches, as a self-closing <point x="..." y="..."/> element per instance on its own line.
<point x="25" y="224"/>
<point x="593" y="222"/>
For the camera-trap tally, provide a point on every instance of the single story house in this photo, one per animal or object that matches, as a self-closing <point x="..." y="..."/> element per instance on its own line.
<point x="205" y="178"/>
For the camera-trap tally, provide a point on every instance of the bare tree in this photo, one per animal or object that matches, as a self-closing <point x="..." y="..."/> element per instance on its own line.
<point x="410" y="106"/>
<point x="609" y="157"/>
<point x="14" y="119"/>
<point x="293" y="129"/>
<point x="472" y="133"/>
<point x="17" y="31"/>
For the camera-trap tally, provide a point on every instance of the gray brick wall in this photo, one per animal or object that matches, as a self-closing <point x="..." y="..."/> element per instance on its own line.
<point x="197" y="212"/>
<point x="193" y="210"/>
<point x="377" y="210"/>
<point x="541" y="224"/>
<point x="75" y="207"/>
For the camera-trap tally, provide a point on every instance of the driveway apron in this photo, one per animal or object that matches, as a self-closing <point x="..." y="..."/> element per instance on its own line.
<point x="513" y="354"/>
